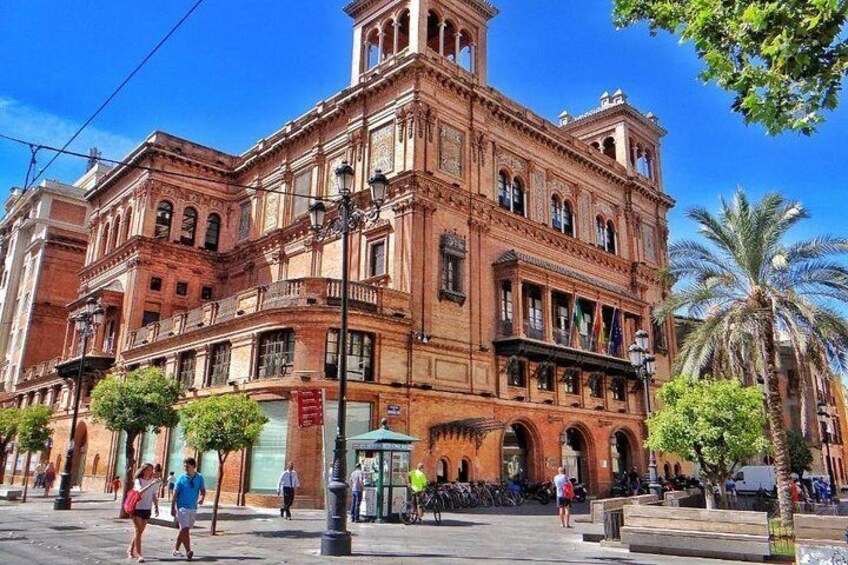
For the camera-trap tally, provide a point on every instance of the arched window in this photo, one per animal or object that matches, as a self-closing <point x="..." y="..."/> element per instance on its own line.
<point x="510" y="193"/>
<point x="567" y="219"/>
<point x="600" y="233"/>
<point x="449" y="41"/>
<point x="164" y="214"/>
<point x="403" y="31"/>
<point x="517" y="197"/>
<point x="189" y="227"/>
<point x="504" y="197"/>
<point x="610" y="237"/>
<point x="128" y="225"/>
<point x="667" y="471"/>
<point x="372" y="50"/>
<point x="433" y="31"/>
<point x="116" y="233"/>
<point x="677" y="470"/>
<point x="596" y="145"/>
<point x="442" y="471"/>
<point x="213" y="232"/>
<point x="556" y="213"/>
<point x="465" y="58"/>
<point x="609" y="147"/>
<point x="104" y="240"/>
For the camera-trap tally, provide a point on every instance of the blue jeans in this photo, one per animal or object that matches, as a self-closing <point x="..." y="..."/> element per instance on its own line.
<point x="354" y="506"/>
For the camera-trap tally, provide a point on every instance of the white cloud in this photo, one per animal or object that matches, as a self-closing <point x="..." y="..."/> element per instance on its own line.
<point x="25" y="122"/>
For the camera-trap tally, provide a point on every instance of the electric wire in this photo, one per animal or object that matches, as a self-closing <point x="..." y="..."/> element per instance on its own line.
<point x="176" y="174"/>
<point x="117" y="90"/>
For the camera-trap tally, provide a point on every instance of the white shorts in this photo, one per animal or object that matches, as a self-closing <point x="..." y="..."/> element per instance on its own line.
<point x="186" y="517"/>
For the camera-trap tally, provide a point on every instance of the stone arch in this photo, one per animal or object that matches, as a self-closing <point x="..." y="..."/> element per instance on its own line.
<point x="104" y="240"/>
<point x="80" y="448"/>
<point x="463" y="472"/>
<point x="609" y="147"/>
<point x="623" y="447"/>
<point x="521" y="450"/>
<point x="128" y="223"/>
<point x="116" y="232"/>
<point x="578" y="452"/>
<point x="443" y="467"/>
<point x="403" y="30"/>
<point x="434" y="22"/>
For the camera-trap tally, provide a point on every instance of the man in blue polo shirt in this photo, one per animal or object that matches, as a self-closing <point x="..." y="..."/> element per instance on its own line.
<point x="184" y="503"/>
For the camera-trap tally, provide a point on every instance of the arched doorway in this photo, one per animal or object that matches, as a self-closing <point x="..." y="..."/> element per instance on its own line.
<point x="621" y="453"/>
<point x="575" y="455"/>
<point x="517" y="452"/>
<point x="80" y="448"/>
<point x="463" y="474"/>
<point x="442" y="471"/>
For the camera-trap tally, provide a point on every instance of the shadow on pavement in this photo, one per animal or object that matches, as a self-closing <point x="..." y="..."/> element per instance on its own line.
<point x="293" y="534"/>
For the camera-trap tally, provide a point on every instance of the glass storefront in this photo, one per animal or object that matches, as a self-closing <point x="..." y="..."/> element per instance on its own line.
<point x="209" y="469"/>
<point x="358" y="423"/>
<point x="148" y="447"/>
<point x="121" y="456"/>
<point x="268" y="455"/>
<point x="176" y="451"/>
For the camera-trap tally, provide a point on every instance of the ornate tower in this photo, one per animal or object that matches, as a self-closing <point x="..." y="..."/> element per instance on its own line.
<point x="453" y="31"/>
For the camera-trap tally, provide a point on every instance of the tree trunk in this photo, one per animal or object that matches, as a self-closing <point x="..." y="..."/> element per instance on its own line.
<point x="129" y="453"/>
<point x="221" y="459"/>
<point x="709" y="495"/>
<point x="3" y="458"/>
<point x="774" y="413"/>
<point x="722" y="490"/>
<point x="26" y="475"/>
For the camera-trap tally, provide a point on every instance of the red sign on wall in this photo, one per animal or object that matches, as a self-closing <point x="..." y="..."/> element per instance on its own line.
<point x="310" y="408"/>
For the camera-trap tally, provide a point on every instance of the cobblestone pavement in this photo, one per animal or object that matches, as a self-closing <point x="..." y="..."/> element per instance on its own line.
<point x="33" y="533"/>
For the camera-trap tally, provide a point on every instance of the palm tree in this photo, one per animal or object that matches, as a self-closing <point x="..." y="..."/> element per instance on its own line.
<point x="749" y="284"/>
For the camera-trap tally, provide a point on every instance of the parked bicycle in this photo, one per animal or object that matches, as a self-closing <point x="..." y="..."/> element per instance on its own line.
<point x="430" y="501"/>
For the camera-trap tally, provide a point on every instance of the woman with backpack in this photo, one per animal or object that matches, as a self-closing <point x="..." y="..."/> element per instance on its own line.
<point x="140" y="501"/>
<point x="49" y="478"/>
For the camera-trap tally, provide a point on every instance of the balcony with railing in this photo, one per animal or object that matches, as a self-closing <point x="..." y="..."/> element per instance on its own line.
<point x="298" y="293"/>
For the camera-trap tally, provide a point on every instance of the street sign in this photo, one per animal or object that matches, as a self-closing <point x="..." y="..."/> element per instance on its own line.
<point x="310" y="408"/>
<point x="393" y="410"/>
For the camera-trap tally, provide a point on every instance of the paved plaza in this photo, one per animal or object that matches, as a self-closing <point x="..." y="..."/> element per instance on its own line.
<point x="33" y="533"/>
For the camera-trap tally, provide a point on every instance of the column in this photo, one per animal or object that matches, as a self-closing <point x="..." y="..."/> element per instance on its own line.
<point x="473" y="58"/>
<point x="366" y="58"/>
<point x="381" y="46"/>
<point x="517" y="307"/>
<point x="457" y="43"/>
<point x="547" y="313"/>
<point x="395" y="45"/>
<point x="442" y="38"/>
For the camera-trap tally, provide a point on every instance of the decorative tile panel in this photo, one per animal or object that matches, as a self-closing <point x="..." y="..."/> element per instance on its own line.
<point x="272" y="209"/>
<point x="586" y="220"/>
<point x="515" y="164"/>
<point x="244" y="221"/>
<point x="540" y="196"/>
<point x="451" y="144"/>
<point x="649" y="243"/>
<point x="382" y="149"/>
<point x="332" y="165"/>
<point x="560" y="187"/>
<point x="302" y="191"/>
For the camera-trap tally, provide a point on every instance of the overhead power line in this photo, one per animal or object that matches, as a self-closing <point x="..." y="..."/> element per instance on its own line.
<point x="116" y="91"/>
<point x="35" y="147"/>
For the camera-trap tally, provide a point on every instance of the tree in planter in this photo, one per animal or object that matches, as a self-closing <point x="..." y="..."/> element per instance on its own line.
<point x="800" y="456"/>
<point x="143" y="400"/>
<point x="714" y="423"/>
<point x="222" y="424"/>
<point x="8" y="428"/>
<point x="784" y="60"/>
<point x="33" y="433"/>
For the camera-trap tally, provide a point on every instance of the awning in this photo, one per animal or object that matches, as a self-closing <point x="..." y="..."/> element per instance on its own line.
<point x="475" y="429"/>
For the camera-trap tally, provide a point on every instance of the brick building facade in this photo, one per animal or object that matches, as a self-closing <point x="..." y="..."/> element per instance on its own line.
<point x="492" y="304"/>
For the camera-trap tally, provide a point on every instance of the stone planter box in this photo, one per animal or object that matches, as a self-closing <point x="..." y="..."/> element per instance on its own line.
<point x="693" y="532"/>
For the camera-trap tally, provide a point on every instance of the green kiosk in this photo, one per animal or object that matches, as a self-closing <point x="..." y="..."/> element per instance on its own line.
<point x="385" y="459"/>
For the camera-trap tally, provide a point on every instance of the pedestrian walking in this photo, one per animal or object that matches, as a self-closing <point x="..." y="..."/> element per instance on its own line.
<point x="157" y="474"/>
<point x="565" y="494"/>
<point x="116" y="487"/>
<point x="286" y="487"/>
<point x="633" y="481"/>
<point x="357" y="483"/>
<point x="39" y="476"/>
<point x="189" y="492"/>
<point x="730" y="488"/>
<point x="49" y="478"/>
<point x="172" y="480"/>
<point x="147" y="487"/>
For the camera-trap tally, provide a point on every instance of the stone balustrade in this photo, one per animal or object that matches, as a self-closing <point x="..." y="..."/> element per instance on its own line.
<point x="308" y="292"/>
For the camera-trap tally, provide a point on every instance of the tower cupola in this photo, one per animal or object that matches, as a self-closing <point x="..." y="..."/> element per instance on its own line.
<point x="453" y="31"/>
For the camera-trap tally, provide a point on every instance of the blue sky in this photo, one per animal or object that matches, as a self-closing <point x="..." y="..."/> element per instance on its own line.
<point x="237" y="71"/>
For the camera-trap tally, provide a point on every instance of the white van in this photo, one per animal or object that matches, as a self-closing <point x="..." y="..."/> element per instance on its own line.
<point x="752" y="478"/>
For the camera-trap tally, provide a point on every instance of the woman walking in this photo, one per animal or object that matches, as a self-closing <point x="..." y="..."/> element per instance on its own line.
<point x="49" y="478"/>
<point x="147" y="487"/>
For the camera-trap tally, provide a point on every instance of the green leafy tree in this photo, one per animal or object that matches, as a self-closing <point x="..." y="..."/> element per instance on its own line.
<point x="33" y="433"/>
<point x="800" y="456"/>
<point x="714" y="423"/>
<point x="8" y="428"/>
<point x="143" y="400"/>
<point x="748" y="285"/>
<point x="783" y="60"/>
<point x="222" y="424"/>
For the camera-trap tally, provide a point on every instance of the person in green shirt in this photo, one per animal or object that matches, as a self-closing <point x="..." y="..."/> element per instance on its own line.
<point x="418" y="481"/>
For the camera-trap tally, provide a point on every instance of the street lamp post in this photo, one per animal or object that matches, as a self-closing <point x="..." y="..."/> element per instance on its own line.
<point x="86" y="324"/>
<point x="336" y="541"/>
<point x="645" y="367"/>
<point x="825" y="418"/>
